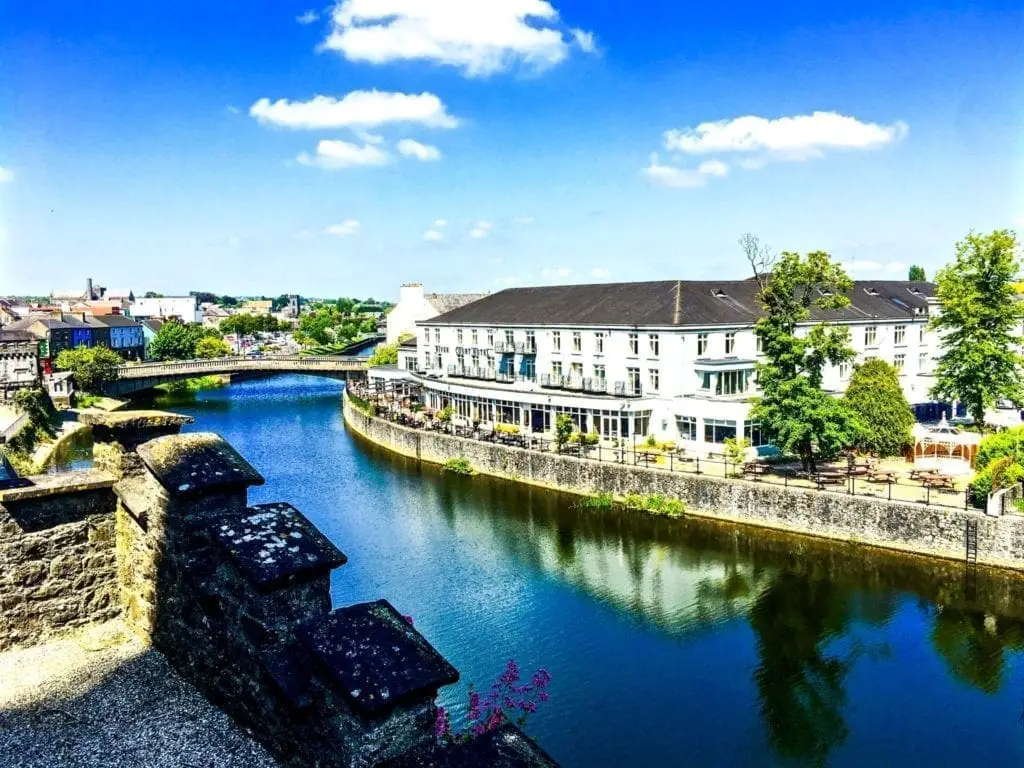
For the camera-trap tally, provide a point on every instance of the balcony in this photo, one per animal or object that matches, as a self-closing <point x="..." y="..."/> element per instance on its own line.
<point x="470" y="372"/>
<point x="622" y="389"/>
<point x="529" y="348"/>
<point x="552" y="381"/>
<point x="596" y="385"/>
<point x="574" y="383"/>
<point x="505" y="347"/>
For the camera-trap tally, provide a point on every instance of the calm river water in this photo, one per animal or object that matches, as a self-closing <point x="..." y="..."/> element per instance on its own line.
<point x="669" y="643"/>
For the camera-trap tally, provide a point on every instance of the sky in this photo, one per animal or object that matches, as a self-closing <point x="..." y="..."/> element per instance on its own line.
<point x="278" y="147"/>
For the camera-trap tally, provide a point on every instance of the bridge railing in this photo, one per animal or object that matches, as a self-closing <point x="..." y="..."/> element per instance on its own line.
<point x="228" y="364"/>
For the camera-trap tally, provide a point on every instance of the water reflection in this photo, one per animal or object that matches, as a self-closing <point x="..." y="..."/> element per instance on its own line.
<point x="973" y="645"/>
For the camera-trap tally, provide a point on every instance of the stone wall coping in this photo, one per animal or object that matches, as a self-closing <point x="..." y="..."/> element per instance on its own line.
<point x="131" y="420"/>
<point x="507" y="747"/>
<point x="58" y="484"/>
<point x="197" y="462"/>
<point x="375" y="657"/>
<point x="275" y="544"/>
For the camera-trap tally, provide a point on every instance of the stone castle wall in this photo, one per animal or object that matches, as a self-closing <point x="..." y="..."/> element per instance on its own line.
<point x="905" y="526"/>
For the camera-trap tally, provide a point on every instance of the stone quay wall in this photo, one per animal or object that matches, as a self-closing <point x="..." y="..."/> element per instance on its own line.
<point x="236" y="597"/>
<point x="904" y="526"/>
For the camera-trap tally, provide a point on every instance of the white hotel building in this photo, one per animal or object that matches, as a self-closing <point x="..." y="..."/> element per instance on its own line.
<point x="673" y="359"/>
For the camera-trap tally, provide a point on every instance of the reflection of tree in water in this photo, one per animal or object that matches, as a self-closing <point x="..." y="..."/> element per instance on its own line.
<point x="973" y="645"/>
<point x="801" y="687"/>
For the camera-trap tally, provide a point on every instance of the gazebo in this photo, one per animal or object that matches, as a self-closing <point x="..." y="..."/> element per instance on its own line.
<point x="945" y="448"/>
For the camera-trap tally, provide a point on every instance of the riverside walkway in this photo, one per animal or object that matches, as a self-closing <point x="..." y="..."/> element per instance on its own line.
<point x="140" y="376"/>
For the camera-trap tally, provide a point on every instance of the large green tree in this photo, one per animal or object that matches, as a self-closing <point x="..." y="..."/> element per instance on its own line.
<point x="916" y="273"/>
<point x="979" y="320"/>
<point x="876" y="398"/>
<point x="177" y="341"/>
<point x="795" y="293"/>
<point x="210" y="346"/>
<point x="91" y="366"/>
<point x="385" y="354"/>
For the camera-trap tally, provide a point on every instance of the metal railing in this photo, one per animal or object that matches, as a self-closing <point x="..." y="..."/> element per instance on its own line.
<point x="241" y="363"/>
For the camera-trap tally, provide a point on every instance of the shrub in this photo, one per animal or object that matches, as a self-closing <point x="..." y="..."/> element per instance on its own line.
<point x="736" y="449"/>
<point x="668" y="446"/>
<point x="91" y="366"/>
<point x="563" y="429"/>
<point x="883" y="413"/>
<point x="1007" y="443"/>
<point x="210" y="346"/>
<point x="651" y="441"/>
<point x="602" y="500"/>
<point x="655" y="503"/>
<point x="459" y="466"/>
<point x="446" y="413"/>
<point x="508" y="429"/>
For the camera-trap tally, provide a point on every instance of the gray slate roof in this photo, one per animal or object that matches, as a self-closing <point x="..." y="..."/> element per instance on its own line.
<point x="673" y="303"/>
<point x="69" y="321"/>
<point x="446" y="302"/>
<point x="112" y="321"/>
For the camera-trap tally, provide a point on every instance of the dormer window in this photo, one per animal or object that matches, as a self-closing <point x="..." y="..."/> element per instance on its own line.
<point x="870" y="291"/>
<point x="718" y="293"/>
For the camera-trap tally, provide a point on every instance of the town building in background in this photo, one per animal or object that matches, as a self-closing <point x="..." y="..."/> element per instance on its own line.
<point x="673" y="359"/>
<point x="294" y="306"/>
<point x="258" y="307"/>
<point x="122" y="334"/>
<point x="150" y="328"/>
<point x="213" y="314"/>
<point x="19" y="362"/>
<point x="183" y="308"/>
<point x="414" y="305"/>
<point x="54" y="334"/>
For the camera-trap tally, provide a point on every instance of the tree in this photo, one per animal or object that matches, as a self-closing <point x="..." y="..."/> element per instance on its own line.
<point x="247" y="324"/>
<point x="978" y="321"/>
<point x="385" y="354"/>
<point x="916" y="273"/>
<point x="793" y="409"/>
<point x="91" y="367"/>
<point x="153" y="295"/>
<point x="228" y="301"/>
<point x="204" y="297"/>
<point x="208" y="346"/>
<point x="877" y="399"/>
<point x="563" y="430"/>
<point x="344" y="305"/>
<point x="177" y="341"/>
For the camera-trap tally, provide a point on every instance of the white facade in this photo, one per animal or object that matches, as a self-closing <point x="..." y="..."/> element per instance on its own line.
<point x="184" y="308"/>
<point x="414" y="306"/>
<point x="691" y="385"/>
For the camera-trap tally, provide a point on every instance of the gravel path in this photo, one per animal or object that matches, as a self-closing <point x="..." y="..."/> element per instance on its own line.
<point x="101" y="698"/>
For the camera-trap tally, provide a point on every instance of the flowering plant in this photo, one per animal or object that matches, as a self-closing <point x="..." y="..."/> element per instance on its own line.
<point x="507" y="701"/>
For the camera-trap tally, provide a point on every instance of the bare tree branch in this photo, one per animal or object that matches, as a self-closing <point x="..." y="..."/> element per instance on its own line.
<point x="760" y="257"/>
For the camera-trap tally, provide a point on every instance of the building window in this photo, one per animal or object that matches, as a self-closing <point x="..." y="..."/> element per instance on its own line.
<point x="437" y="335"/>
<point x="844" y="371"/>
<point x="920" y="334"/>
<point x="702" y="344"/>
<point x="634" y="343"/>
<point x="599" y="372"/>
<point x="556" y="341"/>
<point x="760" y="343"/>
<point x="922" y="361"/>
<point x="654" y="378"/>
<point x="577" y="341"/>
<point x="576" y="370"/>
<point x="730" y="342"/>
<point x="476" y="359"/>
<point x="732" y="382"/>
<point x="509" y="338"/>
<point x="437" y="361"/>
<point x="460" y="359"/>
<point x="529" y="369"/>
<point x="641" y="423"/>
<point x="475" y="338"/>
<point x="899" y="361"/>
<point x="556" y="368"/>
<point x="752" y="432"/>
<point x="653" y="344"/>
<point x="900" y="335"/>
<point x="490" y="339"/>
<point x="599" y="343"/>
<point x="687" y="427"/>
<point x="633" y="380"/>
<point x="531" y="341"/>
<point x="871" y="336"/>
<point x="458" y="337"/>
<point x="718" y="430"/>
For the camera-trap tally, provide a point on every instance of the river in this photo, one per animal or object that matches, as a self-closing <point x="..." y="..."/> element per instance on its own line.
<point x="669" y="642"/>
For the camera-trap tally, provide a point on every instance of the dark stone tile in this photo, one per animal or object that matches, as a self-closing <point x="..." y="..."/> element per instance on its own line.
<point x="197" y="462"/>
<point x="375" y="657"/>
<point x="506" y="747"/>
<point x="274" y="544"/>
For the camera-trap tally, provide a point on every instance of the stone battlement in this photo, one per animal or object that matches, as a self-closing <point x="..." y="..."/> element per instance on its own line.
<point x="237" y="598"/>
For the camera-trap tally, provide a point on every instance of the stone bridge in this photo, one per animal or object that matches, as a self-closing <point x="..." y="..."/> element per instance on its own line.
<point x="140" y="376"/>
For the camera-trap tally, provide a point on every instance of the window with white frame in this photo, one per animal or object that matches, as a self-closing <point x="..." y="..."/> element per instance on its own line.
<point x="556" y="341"/>
<point x="871" y="336"/>
<point x="599" y="343"/>
<point x="922" y="361"/>
<point x="718" y="430"/>
<point x="753" y="433"/>
<point x="437" y="336"/>
<point x="654" y="379"/>
<point x="702" y="344"/>
<point x="577" y="341"/>
<point x="900" y="335"/>
<point x="576" y="370"/>
<point x="599" y="372"/>
<point x="634" y="343"/>
<point x="556" y="368"/>
<point x="531" y="341"/>
<point x="732" y="382"/>
<point x="653" y="344"/>
<point x="760" y="343"/>
<point x="730" y="342"/>
<point x="490" y="339"/>
<point x="899" y="361"/>
<point x="510" y="338"/>
<point x="687" y="427"/>
<point x="474" y="337"/>
<point x="458" y="337"/>
<point x="920" y="334"/>
<point x="633" y="380"/>
<point x="844" y="371"/>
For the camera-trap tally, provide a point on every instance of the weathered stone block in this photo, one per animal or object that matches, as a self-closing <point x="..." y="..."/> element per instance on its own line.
<point x="198" y="462"/>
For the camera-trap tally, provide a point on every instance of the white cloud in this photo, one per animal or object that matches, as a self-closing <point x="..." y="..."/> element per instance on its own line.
<point x="438" y="223"/>
<point x="334" y="155"/>
<point x="867" y="266"/>
<point x="363" y="109"/>
<point x="480" y="37"/>
<point x="433" y="236"/>
<point x="481" y="230"/>
<point x="369" y="138"/>
<point x="308" y="17"/>
<point x="6" y="175"/>
<point x="549" y="272"/>
<point x="412" y="148"/>
<point x="671" y="176"/>
<point x="346" y="229"/>
<point x="600" y="273"/>
<point x="791" y="138"/>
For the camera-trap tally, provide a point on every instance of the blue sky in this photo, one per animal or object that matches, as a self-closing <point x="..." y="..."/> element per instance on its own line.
<point x="470" y="145"/>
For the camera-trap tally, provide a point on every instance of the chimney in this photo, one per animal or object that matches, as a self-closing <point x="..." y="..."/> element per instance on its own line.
<point x="88" y="289"/>
<point x="410" y="292"/>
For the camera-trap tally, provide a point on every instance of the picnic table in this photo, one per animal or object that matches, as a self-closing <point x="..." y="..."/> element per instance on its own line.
<point x="755" y="468"/>
<point x="830" y="477"/>
<point x="938" y="481"/>
<point x="646" y="457"/>
<point x="876" y="475"/>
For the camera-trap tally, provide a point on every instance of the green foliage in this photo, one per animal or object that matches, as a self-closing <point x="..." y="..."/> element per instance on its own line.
<point x="876" y="398"/>
<point x="601" y="500"/>
<point x="508" y="429"/>
<point x="177" y="341"/>
<point x="979" y="323"/>
<point x="446" y="413"/>
<point x="655" y="503"/>
<point x="651" y="441"/>
<point x="92" y="367"/>
<point x="360" y="403"/>
<point x="384" y="354"/>
<point x="188" y="387"/>
<point x="585" y="438"/>
<point x="459" y="466"/>
<point x="563" y="429"/>
<point x="247" y="324"/>
<point x="208" y="346"/>
<point x="736" y="449"/>
<point x="916" y="273"/>
<point x="1002" y="472"/>
<point x="793" y="408"/>
<point x="1007" y="443"/>
<point x="42" y="425"/>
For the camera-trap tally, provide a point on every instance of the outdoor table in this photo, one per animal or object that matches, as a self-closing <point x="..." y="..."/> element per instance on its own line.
<point x="882" y="476"/>
<point x="647" y="457"/>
